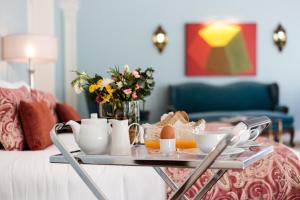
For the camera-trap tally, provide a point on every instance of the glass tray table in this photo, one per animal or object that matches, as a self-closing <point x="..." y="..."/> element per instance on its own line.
<point x="142" y="157"/>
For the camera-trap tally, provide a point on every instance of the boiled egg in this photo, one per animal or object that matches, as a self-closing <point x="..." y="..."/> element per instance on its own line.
<point x="167" y="132"/>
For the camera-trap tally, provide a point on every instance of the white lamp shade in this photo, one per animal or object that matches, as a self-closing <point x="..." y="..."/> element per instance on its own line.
<point x="19" y="48"/>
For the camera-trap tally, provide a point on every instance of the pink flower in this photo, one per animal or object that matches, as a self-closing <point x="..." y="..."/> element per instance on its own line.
<point x="127" y="91"/>
<point x="137" y="86"/>
<point x="134" y="96"/>
<point x="136" y="74"/>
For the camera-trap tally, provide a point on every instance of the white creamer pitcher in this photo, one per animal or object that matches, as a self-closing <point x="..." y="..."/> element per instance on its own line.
<point x="120" y="142"/>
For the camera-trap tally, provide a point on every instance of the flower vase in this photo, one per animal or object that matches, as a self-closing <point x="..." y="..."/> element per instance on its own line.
<point x="122" y="110"/>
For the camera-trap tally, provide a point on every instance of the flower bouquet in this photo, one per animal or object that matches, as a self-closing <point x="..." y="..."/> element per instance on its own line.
<point x="117" y="96"/>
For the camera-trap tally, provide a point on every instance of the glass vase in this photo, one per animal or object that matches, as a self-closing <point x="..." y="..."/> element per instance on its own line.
<point x="122" y="110"/>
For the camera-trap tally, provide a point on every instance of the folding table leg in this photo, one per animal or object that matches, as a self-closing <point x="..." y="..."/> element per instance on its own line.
<point x="167" y="179"/>
<point x="201" y="192"/>
<point x="76" y="166"/>
<point x="203" y="166"/>
<point x="210" y="183"/>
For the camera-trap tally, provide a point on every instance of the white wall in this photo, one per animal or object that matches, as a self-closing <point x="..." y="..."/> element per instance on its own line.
<point x="13" y="19"/>
<point x="119" y="32"/>
<point x="41" y="20"/>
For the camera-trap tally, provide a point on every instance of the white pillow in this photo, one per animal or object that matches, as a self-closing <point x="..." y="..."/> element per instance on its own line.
<point x="15" y="85"/>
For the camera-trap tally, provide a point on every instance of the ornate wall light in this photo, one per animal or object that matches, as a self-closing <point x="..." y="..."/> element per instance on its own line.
<point x="160" y="39"/>
<point x="279" y="37"/>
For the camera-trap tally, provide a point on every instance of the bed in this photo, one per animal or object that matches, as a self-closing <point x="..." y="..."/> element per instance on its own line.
<point x="29" y="175"/>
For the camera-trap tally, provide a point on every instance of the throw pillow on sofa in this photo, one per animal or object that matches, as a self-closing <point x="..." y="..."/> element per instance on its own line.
<point x="11" y="134"/>
<point x="37" y="121"/>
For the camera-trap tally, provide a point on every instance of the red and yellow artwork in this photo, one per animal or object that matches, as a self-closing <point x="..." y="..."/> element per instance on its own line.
<point x="220" y="49"/>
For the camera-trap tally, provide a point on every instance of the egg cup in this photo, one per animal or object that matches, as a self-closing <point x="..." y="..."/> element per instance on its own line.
<point x="167" y="146"/>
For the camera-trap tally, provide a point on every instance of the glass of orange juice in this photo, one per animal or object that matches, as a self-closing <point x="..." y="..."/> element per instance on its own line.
<point x="185" y="138"/>
<point x="151" y="136"/>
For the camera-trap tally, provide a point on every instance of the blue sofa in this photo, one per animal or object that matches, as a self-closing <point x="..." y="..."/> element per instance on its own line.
<point x="248" y="99"/>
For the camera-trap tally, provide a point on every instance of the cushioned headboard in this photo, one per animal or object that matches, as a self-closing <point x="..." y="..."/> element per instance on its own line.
<point x="201" y="97"/>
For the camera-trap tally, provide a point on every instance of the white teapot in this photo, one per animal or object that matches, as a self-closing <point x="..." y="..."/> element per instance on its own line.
<point x="92" y="136"/>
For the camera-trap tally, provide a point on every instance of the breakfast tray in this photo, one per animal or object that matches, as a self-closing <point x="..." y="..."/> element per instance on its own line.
<point x="142" y="157"/>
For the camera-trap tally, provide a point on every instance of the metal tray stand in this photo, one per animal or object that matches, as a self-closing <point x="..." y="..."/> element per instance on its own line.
<point x="142" y="157"/>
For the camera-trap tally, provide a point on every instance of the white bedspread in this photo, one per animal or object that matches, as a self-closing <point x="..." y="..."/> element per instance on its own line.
<point x="28" y="175"/>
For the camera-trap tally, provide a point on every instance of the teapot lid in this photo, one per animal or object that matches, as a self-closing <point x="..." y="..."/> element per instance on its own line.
<point x="93" y="119"/>
<point x="94" y="116"/>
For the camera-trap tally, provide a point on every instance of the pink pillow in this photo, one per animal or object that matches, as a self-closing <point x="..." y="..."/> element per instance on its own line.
<point x="11" y="134"/>
<point x="37" y="95"/>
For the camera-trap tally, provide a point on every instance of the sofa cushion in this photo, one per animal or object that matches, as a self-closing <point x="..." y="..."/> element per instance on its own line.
<point x="200" y="97"/>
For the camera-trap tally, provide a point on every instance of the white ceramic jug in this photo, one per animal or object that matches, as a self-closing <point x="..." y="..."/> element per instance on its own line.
<point x="92" y="135"/>
<point x="120" y="142"/>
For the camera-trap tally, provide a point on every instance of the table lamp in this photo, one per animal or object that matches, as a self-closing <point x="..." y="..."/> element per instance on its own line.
<point x="31" y="49"/>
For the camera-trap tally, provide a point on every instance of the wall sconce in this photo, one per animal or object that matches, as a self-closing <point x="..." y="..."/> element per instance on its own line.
<point x="160" y="39"/>
<point x="279" y="37"/>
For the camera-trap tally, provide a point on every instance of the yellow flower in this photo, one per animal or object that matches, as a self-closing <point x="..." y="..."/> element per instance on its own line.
<point x="99" y="82"/>
<point x="106" y="98"/>
<point x="93" y="87"/>
<point x="109" y="89"/>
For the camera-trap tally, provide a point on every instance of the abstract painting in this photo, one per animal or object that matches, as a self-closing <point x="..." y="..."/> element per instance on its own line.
<point x="220" y="49"/>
